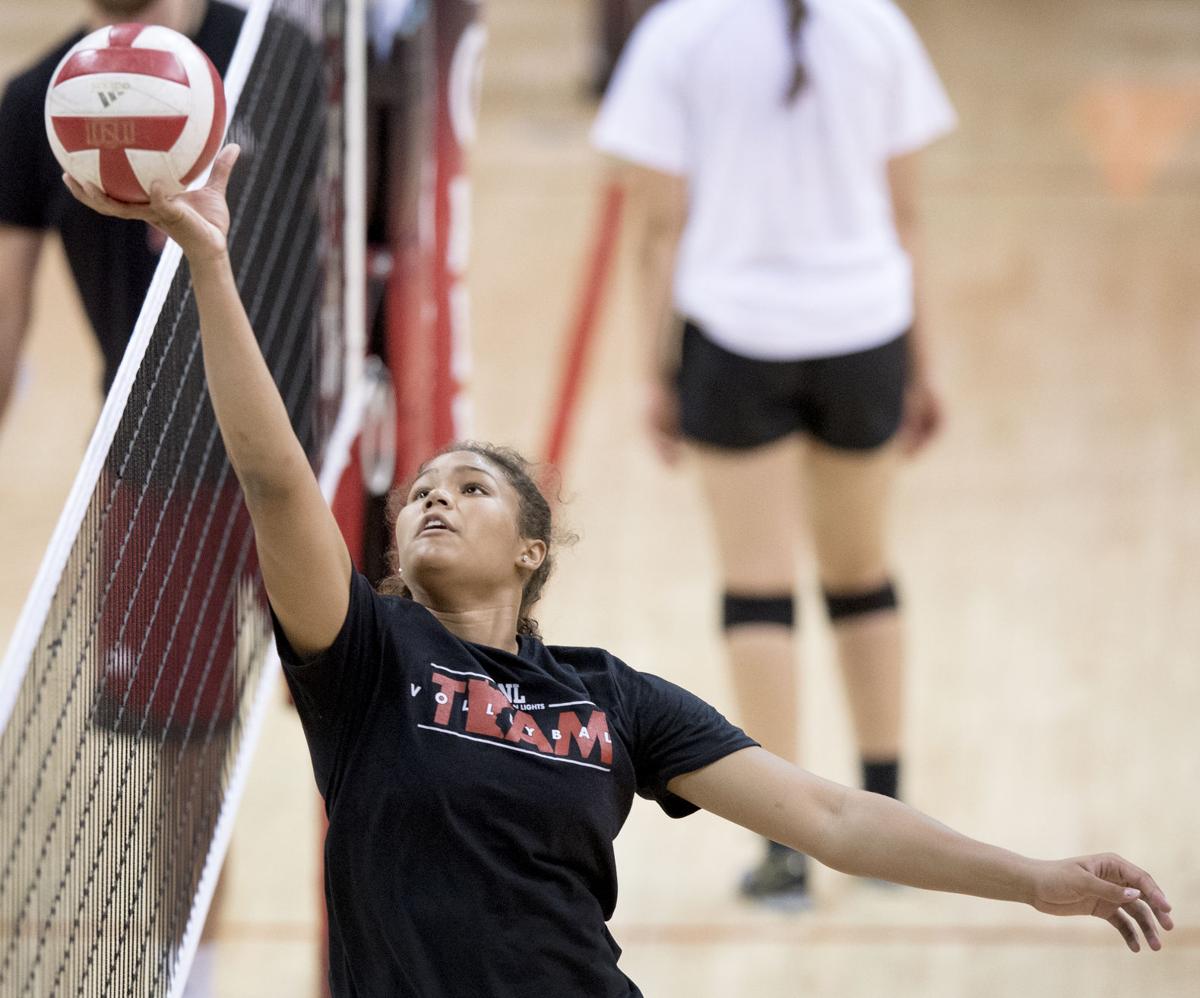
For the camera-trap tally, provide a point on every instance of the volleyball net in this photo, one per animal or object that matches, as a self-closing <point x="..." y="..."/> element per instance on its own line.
<point x="137" y="678"/>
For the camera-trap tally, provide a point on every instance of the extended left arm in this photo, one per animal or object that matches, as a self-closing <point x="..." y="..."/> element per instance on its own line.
<point x="868" y="835"/>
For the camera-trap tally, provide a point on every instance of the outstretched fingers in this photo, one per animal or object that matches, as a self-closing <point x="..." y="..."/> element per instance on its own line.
<point x="1142" y="913"/>
<point x="223" y="167"/>
<point x="1154" y="897"/>
<point x="1133" y="916"/>
<point x="1150" y="892"/>
<point x="196" y="220"/>
<point x="166" y="210"/>
<point x="95" y="198"/>
<point x="1124" y="925"/>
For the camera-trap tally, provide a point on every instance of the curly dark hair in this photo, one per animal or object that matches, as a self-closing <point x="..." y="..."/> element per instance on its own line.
<point x="535" y="521"/>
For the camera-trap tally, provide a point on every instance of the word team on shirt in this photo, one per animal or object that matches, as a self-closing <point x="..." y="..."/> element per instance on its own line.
<point x="473" y="706"/>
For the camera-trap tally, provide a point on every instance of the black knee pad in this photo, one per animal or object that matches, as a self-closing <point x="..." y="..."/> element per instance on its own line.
<point x="740" y="610"/>
<point x="844" y="606"/>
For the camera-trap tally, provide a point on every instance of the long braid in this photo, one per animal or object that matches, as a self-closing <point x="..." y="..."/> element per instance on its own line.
<point x="797" y="15"/>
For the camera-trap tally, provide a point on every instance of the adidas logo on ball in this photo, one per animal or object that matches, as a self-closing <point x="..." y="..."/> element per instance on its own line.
<point x="109" y="97"/>
<point x="131" y="104"/>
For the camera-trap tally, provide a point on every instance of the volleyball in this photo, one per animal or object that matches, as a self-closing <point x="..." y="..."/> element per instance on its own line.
<point x="131" y="104"/>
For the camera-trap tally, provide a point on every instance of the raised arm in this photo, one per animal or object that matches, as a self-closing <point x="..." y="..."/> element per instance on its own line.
<point x="19" y="249"/>
<point x="873" y="836"/>
<point x="304" y="560"/>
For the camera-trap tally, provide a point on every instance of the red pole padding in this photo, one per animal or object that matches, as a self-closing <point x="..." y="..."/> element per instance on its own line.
<point x="582" y="330"/>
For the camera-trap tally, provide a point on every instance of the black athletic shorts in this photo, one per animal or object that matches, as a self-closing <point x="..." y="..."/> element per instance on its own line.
<point x="854" y="401"/>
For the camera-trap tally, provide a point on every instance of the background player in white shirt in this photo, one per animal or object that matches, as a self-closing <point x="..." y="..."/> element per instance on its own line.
<point x="769" y="149"/>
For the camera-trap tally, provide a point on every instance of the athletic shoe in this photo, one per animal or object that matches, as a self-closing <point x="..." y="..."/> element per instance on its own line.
<point x="780" y="881"/>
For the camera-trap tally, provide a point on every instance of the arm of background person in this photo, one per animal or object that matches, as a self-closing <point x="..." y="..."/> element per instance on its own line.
<point x="305" y="565"/>
<point x="19" y="249"/>
<point x="923" y="416"/>
<point x="870" y="835"/>
<point x="657" y="205"/>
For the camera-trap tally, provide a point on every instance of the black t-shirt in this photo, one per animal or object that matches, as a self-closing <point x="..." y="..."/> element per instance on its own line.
<point x="473" y="798"/>
<point x="112" y="259"/>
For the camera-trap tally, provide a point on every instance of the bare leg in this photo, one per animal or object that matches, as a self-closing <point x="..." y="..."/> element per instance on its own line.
<point x="851" y="492"/>
<point x="753" y="498"/>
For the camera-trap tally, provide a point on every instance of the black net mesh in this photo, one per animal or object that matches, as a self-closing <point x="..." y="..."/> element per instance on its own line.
<point x="116" y="757"/>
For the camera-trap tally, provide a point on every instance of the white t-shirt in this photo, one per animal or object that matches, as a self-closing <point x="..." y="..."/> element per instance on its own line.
<point x="790" y="249"/>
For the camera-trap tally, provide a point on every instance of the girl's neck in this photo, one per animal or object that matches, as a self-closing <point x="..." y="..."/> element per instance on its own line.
<point x="491" y="623"/>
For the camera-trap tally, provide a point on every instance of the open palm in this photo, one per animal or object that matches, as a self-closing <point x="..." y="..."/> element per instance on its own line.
<point x="198" y="220"/>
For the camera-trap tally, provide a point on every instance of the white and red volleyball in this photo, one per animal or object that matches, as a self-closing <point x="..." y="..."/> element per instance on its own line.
<point x="132" y="104"/>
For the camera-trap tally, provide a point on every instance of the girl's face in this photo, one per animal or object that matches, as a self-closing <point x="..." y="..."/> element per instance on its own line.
<point x="457" y="534"/>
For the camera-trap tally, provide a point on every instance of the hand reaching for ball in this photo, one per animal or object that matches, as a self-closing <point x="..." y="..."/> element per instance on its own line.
<point x="198" y="220"/>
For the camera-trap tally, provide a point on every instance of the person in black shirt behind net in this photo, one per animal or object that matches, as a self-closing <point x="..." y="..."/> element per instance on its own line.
<point x="474" y="777"/>
<point x="112" y="260"/>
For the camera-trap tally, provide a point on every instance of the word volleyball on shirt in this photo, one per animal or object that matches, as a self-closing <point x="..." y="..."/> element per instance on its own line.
<point x="473" y="706"/>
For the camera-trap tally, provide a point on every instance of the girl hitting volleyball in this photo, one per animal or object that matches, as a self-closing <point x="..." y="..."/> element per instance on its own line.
<point x="770" y="146"/>
<point x="475" y="777"/>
